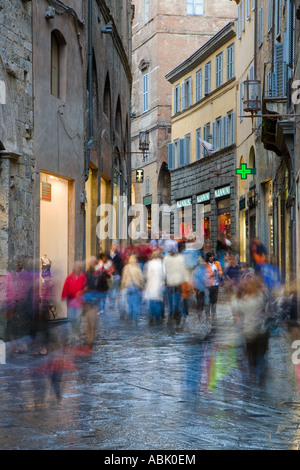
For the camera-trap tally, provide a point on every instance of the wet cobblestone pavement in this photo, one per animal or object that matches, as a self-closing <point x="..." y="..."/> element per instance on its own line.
<point x="154" y="387"/>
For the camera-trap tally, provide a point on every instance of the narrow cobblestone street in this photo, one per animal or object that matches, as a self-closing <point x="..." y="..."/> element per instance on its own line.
<point x="154" y="387"/>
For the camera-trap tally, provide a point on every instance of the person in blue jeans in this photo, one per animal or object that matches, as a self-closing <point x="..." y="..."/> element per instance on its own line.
<point x="133" y="282"/>
<point x="155" y="276"/>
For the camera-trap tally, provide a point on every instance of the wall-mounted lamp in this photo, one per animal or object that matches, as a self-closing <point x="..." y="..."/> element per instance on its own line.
<point x="107" y="29"/>
<point x="50" y="13"/>
<point x="34" y="173"/>
<point x="83" y="199"/>
<point x="144" y="141"/>
<point x="28" y="132"/>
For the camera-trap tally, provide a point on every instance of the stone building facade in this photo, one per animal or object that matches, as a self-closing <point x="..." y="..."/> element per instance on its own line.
<point x="164" y="34"/>
<point x="16" y="145"/>
<point x="65" y="87"/>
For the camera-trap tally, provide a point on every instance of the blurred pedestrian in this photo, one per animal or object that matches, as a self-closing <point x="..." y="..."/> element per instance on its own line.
<point x="200" y="283"/>
<point x="232" y="274"/>
<point x="258" y="254"/>
<point x="250" y="307"/>
<point x="72" y="292"/>
<point x="103" y="271"/>
<point x="117" y="263"/>
<point x="133" y="283"/>
<point x="214" y="275"/>
<point x="154" y="285"/>
<point x="91" y="302"/>
<point x="176" y="275"/>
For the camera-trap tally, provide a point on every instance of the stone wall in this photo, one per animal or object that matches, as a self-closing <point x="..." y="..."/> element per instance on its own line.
<point x="16" y="158"/>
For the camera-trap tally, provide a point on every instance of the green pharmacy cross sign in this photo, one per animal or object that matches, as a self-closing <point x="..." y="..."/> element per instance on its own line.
<point x="244" y="171"/>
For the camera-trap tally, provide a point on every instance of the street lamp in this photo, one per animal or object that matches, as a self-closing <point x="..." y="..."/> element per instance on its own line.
<point x="144" y="141"/>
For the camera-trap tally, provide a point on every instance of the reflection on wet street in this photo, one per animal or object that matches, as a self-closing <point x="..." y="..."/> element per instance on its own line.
<point x="151" y="387"/>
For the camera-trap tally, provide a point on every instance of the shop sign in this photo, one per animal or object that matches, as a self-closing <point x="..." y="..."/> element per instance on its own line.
<point x="46" y="192"/>
<point x="147" y="200"/>
<point x="222" y="191"/>
<point x="203" y="197"/>
<point x="184" y="202"/>
<point x="139" y="176"/>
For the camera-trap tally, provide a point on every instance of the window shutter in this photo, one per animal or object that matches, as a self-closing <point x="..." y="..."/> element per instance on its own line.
<point x="199" y="85"/>
<point x="233" y="127"/>
<point x="198" y="144"/>
<point x="188" y="150"/>
<point x="290" y="33"/>
<point x="171" y="156"/>
<point x="279" y="70"/>
<point x="214" y="132"/>
<point x="182" y="152"/>
<point x="248" y="9"/>
<point x="243" y="15"/>
<point x="183" y="96"/>
<point x="190" y="91"/>
<point x="224" y="132"/>
<point x="241" y="100"/>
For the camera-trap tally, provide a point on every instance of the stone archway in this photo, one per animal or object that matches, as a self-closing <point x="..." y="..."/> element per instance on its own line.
<point x="164" y="185"/>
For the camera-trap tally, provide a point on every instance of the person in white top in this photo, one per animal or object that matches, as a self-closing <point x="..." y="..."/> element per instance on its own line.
<point x="176" y="275"/>
<point x="155" y="275"/>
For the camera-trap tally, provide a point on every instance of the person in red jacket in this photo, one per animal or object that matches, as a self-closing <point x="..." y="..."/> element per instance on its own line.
<point x="72" y="292"/>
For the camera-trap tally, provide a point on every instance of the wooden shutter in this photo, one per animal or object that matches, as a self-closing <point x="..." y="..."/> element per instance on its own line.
<point x="182" y="152"/>
<point x="171" y="156"/>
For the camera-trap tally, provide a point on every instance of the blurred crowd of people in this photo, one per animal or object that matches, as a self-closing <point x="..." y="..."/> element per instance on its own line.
<point x="166" y="278"/>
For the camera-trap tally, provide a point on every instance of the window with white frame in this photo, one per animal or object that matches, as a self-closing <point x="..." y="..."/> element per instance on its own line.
<point x="145" y="92"/>
<point x="177" y="99"/>
<point x="260" y="26"/>
<point x="198" y="144"/>
<point x="187" y="93"/>
<point x="207" y="78"/>
<point x="230" y="62"/>
<point x="219" y="69"/>
<point x="194" y="7"/>
<point x="147" y="185"/>
<point x="199" y="85"/>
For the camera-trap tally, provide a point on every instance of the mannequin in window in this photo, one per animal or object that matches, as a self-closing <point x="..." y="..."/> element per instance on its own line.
<point x="46" y="266"/>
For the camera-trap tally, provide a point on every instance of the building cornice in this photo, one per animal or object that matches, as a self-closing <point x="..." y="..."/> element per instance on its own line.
<point x="211" y="46"/>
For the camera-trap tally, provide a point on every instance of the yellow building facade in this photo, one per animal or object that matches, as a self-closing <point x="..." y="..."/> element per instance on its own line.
<point x="202" y="159"/>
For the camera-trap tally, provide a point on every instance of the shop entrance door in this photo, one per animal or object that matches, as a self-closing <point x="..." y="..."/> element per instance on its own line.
<point x="54" y="240"/>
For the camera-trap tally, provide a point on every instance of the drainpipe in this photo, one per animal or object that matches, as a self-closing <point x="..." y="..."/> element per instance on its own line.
<point x="90" y="89"/>
<point x="91" y="118"/>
